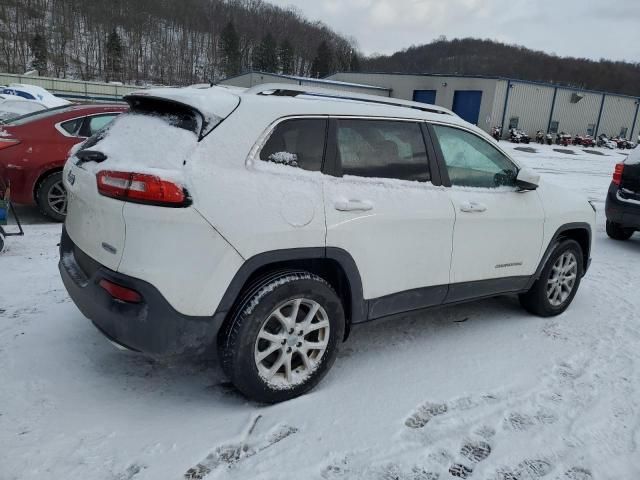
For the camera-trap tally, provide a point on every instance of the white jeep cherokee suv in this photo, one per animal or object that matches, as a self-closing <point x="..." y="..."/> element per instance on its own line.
<point x="264" y="223"/>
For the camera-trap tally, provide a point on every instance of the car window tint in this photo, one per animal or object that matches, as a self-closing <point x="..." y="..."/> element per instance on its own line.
<point x="94" y="124"/>
<point x="99" y="122"/>
<point x="382" y="149"/>
<point x="72" y="126"/>
<point x="298" y="143"/>
<point x="472" y="161"/>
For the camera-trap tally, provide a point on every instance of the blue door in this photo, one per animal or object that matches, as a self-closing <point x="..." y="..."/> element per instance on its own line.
<point x="424" y="96"/>
<point x="466" y="103"/>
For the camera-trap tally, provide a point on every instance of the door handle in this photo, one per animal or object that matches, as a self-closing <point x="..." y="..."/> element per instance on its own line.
<point x="353" y="205"/>
<point x="472" y="207"/>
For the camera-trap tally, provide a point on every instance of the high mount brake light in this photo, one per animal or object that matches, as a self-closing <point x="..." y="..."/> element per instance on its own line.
<point x="141" y="188"/>
<point x="617" y="173"/>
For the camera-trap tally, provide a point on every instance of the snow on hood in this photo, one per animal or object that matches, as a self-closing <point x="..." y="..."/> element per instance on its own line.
<point x="145" y="144"/>
<point x="213" y="103"/>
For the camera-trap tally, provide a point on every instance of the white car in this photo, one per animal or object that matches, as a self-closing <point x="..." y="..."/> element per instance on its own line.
<point x="265" y="223"/>
<point x="34" y="93"/>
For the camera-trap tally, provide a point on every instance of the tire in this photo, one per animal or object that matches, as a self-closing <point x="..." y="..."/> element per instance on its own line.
<point x="49" y="199"/>
<point x="244" y="350"/>
<point x="618" y="232"/>
<point x="1" y="243"/>
<point x="546" y="300"/>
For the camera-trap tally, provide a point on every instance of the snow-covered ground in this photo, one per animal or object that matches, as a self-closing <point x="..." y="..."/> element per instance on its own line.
<point x="483" y="389"/>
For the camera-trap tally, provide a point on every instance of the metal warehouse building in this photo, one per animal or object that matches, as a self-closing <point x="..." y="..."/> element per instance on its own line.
<point x="250" y="79"/>
<point x="489" y="101"/>
<point x="530" y="106"/>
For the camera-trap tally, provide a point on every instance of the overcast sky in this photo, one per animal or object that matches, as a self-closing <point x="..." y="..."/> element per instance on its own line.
<point x="581" y="28"/>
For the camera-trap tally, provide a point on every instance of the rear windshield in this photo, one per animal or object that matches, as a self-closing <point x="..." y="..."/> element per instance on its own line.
<point x="39" y="115"/>
<point x="175" y="114"/>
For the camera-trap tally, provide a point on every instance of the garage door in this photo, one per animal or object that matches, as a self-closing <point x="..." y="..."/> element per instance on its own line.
<point x="466" y="103"/>
<point x="424" y="96"/>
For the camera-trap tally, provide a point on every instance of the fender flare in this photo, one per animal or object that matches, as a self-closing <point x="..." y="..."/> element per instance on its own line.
<point x="554" y="241"/>
<point x="358" y="311"/>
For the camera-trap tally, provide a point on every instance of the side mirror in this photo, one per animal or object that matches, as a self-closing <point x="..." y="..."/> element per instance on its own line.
<point x="527" y="179"/>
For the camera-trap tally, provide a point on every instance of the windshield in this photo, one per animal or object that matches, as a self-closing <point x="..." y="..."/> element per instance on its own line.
<point x="39" y="115"/>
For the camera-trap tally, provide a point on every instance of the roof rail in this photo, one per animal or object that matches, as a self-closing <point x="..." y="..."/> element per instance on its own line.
<point x="290" y="90"/>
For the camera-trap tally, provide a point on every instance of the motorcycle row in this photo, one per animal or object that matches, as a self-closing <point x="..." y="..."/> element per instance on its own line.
<point x="564" y="139"/>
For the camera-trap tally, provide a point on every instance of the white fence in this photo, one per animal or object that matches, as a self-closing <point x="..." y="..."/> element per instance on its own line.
<point x="75" y="90"/>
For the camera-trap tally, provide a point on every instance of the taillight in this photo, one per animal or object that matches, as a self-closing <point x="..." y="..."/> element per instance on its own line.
<point x="141" y="188"/>
<point x="121" y="293"/>
<point x="617" y="173"/>
<point x="8" y="142"/>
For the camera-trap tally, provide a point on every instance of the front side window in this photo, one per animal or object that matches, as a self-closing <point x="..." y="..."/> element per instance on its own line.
<point x="472" y="161"/>
<point x="298" y="143"/>
<point x="382" y="149"/>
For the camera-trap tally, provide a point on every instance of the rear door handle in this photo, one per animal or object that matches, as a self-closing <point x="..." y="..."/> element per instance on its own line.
<point x="472" y="207"/>
<point x="353" y="205"/>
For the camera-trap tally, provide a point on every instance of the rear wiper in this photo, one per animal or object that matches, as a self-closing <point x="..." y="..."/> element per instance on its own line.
<point x="85" y="156"/>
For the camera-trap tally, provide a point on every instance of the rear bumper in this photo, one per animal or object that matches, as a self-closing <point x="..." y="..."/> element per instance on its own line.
<point x="152" y="326"/>
<point x="625" y="213"/>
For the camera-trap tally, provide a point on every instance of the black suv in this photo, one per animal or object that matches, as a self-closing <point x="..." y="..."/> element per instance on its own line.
<point x="623" y="200"/>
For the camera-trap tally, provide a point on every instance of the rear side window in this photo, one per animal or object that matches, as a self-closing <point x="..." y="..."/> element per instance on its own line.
<point x="472" y="161"/>
<point x="382" y="149"/>
<point x="298" y="142"/>
<point x="72" y="126"/>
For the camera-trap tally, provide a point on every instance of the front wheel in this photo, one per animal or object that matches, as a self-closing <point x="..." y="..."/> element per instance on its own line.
<point x="52" y="197"/>
<point x="618" y="232"/>
<point x="283" y="337"/>
<point x="553" y="292"/>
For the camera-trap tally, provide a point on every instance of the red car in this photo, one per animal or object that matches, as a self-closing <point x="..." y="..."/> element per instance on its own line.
<point x="34" y="148"/>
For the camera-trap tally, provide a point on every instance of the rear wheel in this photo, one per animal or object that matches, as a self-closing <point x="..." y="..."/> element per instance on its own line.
<point x="283" y="337"/>
<point x="618" y="232"/>
<point x="52" y="197"/>
<point x="559" y="280"/>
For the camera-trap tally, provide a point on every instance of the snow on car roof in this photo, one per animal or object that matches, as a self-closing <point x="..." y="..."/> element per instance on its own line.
<point x="33" y="92"/>
<point x="219" y="102"/>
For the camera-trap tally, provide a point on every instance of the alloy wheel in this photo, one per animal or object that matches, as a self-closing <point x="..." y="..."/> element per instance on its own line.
<point x="562" y="278"/>
<point x="292" y="342"/>
<point x="57" y="198"/>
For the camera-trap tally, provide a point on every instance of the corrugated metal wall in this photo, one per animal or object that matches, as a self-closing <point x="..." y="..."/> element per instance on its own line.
<point x="403" y="86"/>
<point x="575" y="118"/>
<point x="531" y="104"/>
<point x="498" y="103"/>
<point x="618" y="113"/>
<point x="73" y="89"/>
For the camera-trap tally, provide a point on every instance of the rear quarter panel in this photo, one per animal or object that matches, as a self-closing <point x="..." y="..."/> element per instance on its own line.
<point x="257" y="206"/>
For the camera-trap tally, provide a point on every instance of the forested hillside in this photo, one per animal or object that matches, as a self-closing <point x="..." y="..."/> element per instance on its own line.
<point x="164" y="41"/>
<point x="484" y="57"/>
